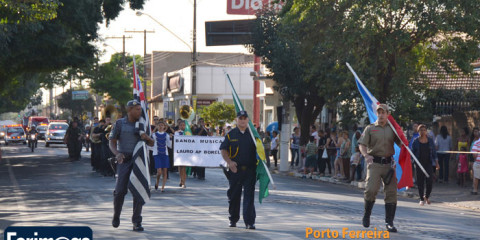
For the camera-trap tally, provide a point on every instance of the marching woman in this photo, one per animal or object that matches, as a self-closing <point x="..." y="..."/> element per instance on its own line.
<point x="160" y="153"/>
<point x="424" y="149"/>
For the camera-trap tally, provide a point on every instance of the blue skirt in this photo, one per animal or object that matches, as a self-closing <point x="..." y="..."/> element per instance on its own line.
<point x="161" y="161"/>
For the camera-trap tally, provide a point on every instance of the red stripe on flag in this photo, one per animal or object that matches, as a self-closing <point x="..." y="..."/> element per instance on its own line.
<point x="404" y="159"/>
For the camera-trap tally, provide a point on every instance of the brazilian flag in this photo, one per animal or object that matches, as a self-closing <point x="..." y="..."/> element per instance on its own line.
<point x="263" y="175"/>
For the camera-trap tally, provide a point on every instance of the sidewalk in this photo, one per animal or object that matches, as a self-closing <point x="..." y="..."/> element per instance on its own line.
<point x="447" y="193"/>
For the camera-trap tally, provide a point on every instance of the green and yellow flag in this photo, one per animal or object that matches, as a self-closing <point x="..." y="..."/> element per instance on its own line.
<point x="263" y="175"/>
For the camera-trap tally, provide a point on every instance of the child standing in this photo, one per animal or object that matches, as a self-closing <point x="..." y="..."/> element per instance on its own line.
<point x="354" y="162"/>
<point x="160" y="153"/>
<point x="462" y="167"/>
<point x="311" y="151"/>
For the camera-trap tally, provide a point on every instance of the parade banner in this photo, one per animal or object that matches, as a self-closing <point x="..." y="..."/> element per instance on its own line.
<point x="197" y="151"/>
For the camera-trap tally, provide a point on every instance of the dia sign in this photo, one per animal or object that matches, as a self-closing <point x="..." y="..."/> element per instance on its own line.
<point x="249" y="7"/>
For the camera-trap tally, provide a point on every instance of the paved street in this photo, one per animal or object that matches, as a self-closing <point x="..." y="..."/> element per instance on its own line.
<point x="44" y="189"/>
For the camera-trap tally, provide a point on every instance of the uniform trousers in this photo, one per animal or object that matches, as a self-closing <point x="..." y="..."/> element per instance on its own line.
<point x="376" y="172"/>
<point x="123" y="170"/>
<point x="242" y="179"/>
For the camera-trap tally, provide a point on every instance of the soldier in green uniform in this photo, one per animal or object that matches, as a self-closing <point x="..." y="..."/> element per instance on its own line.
<point x="376" y="145"/>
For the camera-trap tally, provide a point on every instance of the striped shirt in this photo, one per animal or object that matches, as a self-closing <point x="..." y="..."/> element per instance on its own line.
<point x="476" y="148"/>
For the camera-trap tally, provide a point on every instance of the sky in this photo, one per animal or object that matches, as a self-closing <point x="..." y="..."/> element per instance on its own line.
<point x="177" y="16"/>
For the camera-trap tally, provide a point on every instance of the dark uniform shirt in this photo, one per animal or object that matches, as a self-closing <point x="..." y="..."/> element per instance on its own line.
<point x="73" y="133"/>
<point x="199" y="131"/>
<point x="124" y="132"/>
<point x="240" y="147"/>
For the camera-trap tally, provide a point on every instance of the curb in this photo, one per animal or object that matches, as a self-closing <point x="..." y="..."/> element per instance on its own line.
<point x="410" y="193"/>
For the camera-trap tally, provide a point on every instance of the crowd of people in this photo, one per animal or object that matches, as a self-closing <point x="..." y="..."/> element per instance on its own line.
<point x="335" y="153"/>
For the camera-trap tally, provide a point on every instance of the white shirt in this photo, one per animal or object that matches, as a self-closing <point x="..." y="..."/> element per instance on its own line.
<point x="155" y="146"/>
<point x="273" y="145"/>
<point x="476" y="148"/>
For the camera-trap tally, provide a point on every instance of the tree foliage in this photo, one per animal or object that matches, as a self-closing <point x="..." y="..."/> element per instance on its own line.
<point x="43" y="38"/>
<point x="388" y="43"/>
<point x="109" y="77"/>
<point x="78" y="107"/>
<point x="218" y="113"/>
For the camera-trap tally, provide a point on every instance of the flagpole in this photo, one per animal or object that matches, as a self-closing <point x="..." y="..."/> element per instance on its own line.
<point x="146" y="125"/>
<point x="410" y="151"/>
<point x="251" y="133"/>
<point x="395" y="131"/>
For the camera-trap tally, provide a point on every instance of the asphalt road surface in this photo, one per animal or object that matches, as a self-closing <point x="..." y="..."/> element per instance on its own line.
<point x="45" y="189"/>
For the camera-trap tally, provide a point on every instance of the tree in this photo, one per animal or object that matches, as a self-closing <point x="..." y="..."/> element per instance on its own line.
<point x="304" y="69"/>
<point x="218" y="113"/>
<point x="78" y="107"/>
<point x="45" y="36"/>
<point x="109" y="78"/>
<point x="390" y="43"/>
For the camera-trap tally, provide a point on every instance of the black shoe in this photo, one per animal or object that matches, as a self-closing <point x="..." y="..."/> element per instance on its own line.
<point x="248" y="226"/>
<point x="116" y="222"/>
<point x="391" y="228"/>
<point x="137" y="227"/>
<point x="156" y="187"/>
<point x="390" y="209"/>
<point x="232" y="224"/>
<point x="368" y="206"/>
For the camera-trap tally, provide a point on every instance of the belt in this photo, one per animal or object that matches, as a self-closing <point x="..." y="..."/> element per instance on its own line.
<point x="382" y="160"/>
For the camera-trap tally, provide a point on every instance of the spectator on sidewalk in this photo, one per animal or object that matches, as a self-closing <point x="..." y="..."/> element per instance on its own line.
<point x="345" y="155"/>
<point x="443" y="143"/>
<point x="424" y="149"/>
<point x="471" y="158"/>
<point x="310" y="152"/>
<point x="476" y="167"/>
<point x="331" y="147"/>
<point x="354" y="163"/>
<point x="322" y="157"/>
<point x="463" y="140"/>
<point x="266" y="140"/>
<point x="338" y="163"/>
<point x="462" y="168"/>
<point x="274" y="147"/>
<point x="295" y="146"/>
<point x="359" y="168"/>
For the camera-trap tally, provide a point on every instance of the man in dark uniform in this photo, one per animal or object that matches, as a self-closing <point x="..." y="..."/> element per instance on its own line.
<point x="123" y="140"/>
<point x="73" y="138"/>
<point x="376" y="145"/>
<point x="201" y="131"/>
<point x="95" y="136"/>
<point x="238" y="150"/>
<point x="104" y="165"/>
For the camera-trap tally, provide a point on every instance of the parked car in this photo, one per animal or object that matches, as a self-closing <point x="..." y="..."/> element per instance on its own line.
<point x="55" y="133"/>
<point x="42" y="131"/>
<point x="15" y="134"/>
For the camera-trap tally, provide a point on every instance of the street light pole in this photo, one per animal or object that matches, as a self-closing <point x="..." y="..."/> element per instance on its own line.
<point x="194" y="51"/>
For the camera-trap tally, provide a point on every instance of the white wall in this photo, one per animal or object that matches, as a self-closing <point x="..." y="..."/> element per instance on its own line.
<point x="212" y="80"/>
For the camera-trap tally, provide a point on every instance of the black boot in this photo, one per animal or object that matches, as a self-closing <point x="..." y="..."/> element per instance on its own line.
<point x="390" y="209"/>
<point x="367" y="213"/>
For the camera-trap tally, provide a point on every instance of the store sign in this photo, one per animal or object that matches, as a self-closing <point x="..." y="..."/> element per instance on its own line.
<point x="205" y="102"/>
<point x="250" y="7"/>
<point x="175" y="83"/>
<point x="80" y="95"/>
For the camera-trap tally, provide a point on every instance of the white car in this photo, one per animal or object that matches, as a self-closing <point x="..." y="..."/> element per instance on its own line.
<point x="55" y="133"/>
<point x="15" y="134"/>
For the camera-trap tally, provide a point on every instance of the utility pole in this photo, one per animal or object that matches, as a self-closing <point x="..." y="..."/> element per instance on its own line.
<point x="123" y="38"/>
<point x="194" y="50"/>
<point x="144" y="54"/>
